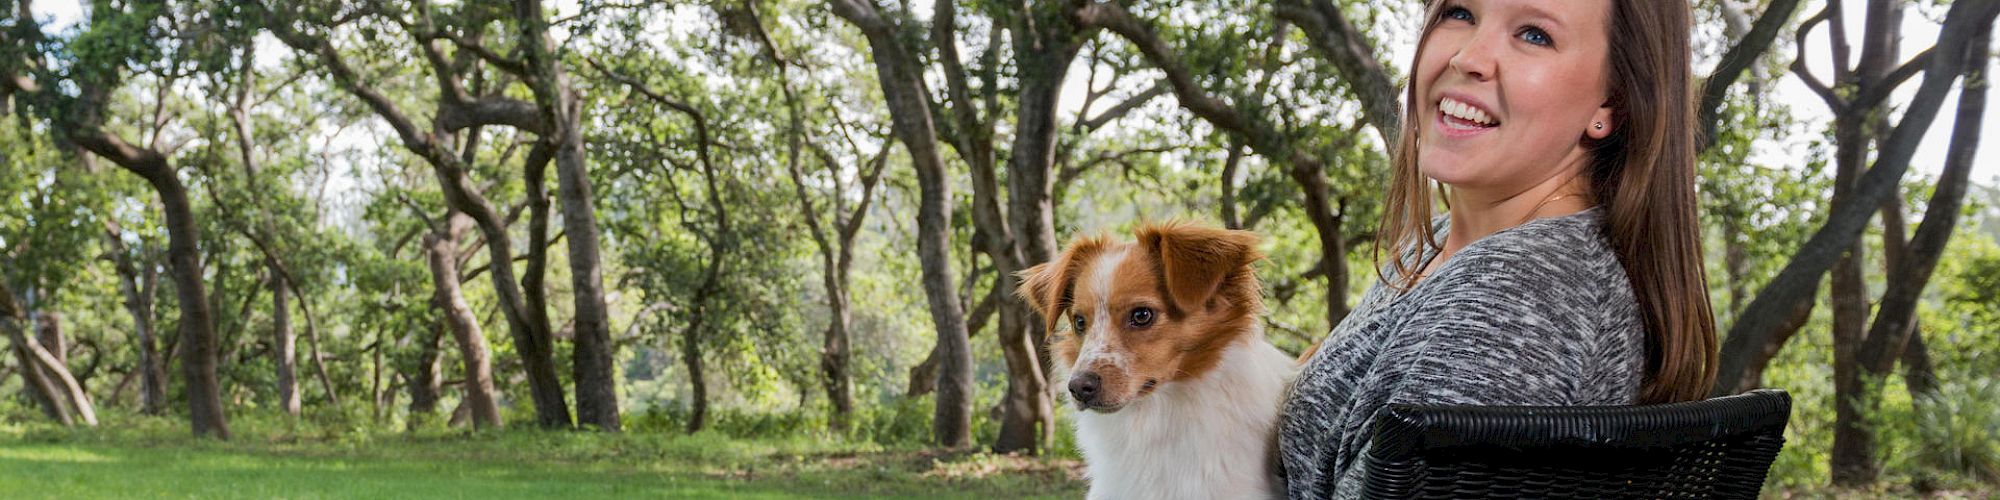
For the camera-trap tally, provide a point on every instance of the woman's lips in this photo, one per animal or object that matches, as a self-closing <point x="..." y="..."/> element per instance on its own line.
<point x="1455" y="127"/>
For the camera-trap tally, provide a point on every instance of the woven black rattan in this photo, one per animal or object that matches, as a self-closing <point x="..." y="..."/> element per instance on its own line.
<point x="1718" y="448"/>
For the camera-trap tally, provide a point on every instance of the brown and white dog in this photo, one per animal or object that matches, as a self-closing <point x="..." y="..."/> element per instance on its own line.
<point x="1178" y="392"/>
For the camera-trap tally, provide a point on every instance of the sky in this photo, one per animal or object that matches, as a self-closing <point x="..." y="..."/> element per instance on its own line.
<point x="1919" y="30"/>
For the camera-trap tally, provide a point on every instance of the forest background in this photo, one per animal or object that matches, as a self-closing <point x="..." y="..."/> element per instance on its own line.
<point x="767" y="247"/>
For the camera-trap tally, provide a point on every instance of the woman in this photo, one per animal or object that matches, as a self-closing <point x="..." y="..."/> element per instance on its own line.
<point x="1568" y="270"/>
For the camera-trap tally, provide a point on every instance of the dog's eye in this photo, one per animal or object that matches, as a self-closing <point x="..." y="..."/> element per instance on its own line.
<point x="1076" y="323"/>
<point x="1142" y="316"/>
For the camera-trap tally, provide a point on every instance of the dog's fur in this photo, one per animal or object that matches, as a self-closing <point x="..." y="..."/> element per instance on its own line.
<point x="1181" y="406"/>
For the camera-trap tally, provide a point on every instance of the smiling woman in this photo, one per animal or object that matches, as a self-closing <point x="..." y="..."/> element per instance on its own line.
<point x="1568" y="270"/>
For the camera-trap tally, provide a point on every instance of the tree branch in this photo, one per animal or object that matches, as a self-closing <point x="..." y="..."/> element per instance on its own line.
<point x="1895" y="78"/>
<point x="1895" y="320"/>
<point x="1335" y="38"/>
<point x="1804" y="73"/>
<point x="1738" y="60"/>
<point x="1261" y="136"/>
<point x="1799" y="279"/>
<point x="1123" y="108"/>
<point x="344" y="75"/>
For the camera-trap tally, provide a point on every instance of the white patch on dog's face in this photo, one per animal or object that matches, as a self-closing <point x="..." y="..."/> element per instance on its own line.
<point x="1098" y="349"/>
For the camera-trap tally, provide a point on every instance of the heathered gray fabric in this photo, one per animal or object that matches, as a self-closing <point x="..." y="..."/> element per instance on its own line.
<point x="1538" y="314"/>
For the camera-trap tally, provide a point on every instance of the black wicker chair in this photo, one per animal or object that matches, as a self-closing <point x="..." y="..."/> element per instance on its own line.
<point x="1718" y="448"/>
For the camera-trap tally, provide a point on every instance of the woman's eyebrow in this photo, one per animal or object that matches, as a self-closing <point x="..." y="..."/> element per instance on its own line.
<point x="1541" y="16"/>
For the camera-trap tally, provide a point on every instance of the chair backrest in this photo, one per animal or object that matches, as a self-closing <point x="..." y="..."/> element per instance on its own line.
<point x="1717" y="448"/>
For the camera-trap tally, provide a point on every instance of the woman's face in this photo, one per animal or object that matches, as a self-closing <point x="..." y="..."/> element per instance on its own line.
<point x="1508" y="90"/>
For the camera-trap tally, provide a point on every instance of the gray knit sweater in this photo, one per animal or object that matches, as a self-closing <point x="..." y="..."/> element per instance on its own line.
<point x="1537" y="314"/>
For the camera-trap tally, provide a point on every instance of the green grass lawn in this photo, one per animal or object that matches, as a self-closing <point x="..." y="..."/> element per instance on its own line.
<point x="145" y="457"/>
<point x="156" y="460"/>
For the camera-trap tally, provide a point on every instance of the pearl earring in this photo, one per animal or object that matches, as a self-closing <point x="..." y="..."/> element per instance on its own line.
<point x="1600" y="125"/>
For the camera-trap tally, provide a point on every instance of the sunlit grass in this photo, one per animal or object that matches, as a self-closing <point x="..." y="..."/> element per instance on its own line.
<point x="152" y="458"/>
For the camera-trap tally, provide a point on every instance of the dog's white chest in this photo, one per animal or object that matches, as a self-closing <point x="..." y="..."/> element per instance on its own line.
<point x="1195" y="439"/>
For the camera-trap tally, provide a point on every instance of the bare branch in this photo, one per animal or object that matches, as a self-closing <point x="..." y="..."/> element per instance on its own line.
<point x="1738" y="60"/>
<point x="494" y="58"/>
<point x="1126" y="107"/>
<point x="868" y="182"/>
<point x="1799" y="61"/>
<point x="1895" y="78"/>
<point x="419" y="211"/>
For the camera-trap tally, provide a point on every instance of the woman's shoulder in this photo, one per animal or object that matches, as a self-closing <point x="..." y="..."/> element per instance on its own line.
<point x="1548" y="256"/>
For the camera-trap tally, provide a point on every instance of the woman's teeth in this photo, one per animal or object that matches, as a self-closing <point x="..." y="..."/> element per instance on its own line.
<point x="1463" y="111"/>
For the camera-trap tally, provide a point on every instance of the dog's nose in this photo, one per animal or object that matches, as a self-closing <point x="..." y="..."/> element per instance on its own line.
<point x="1084" y="387"/>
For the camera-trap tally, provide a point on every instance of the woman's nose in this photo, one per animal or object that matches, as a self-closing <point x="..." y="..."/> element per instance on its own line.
<point x="1475" y="57"/>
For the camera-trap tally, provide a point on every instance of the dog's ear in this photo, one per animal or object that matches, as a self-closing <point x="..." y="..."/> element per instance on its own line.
<point x="1036" y="285"/>
<point x="1193" y="262"/>
<point x="1047" y="286"/>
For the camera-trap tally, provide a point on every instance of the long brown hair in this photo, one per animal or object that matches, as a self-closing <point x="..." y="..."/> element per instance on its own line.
<point x="1643" y="173"/>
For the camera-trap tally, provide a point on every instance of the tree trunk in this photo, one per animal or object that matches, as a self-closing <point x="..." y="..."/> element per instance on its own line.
<point x="1230" y="166"/>
<point x="1735" y="263"/>
<point x="48" y="331"/>
<point x="197" y="325"/>
<point x="835" y="358"/>
<point x="720" y="241"/>
<point x="1918" y="374"/>
<point x="596" y="380"/>
<point x="49" y="351"/>
<point x="1895" y="321"/>
<point x="924" y="376"/>
<point x="902" y="83"/>
<point x="285" y="348"/>
<point x="1326" y="220"/>
<point x="1797" y="282"/>
<point x="534" y="276"/>
<point x="47" y="380"/>
<point x="313" y="351"/>
<point x="953" y="416"/>
<point x="595" y="373"/>
<point x="1875" y="354"/>
<point x="1753" y="373"/>
<point x="427" y="384"/>
<point x="1856" y="127"/>
<point x="284" y="343"/>
<point x="35" y="382"/>
<point x="1853" y="447"/>
<point x="1043" y="58"/>
<point x="1751" y="43"/>
<point x="531" y="339"/>
<point x="691" y="358"/>
<point x="138" y="288"/>
<point x="441" y="249"/>
<point x="835" y="355"/>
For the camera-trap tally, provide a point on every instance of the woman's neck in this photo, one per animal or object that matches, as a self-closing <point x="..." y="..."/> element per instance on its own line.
<point x="1476" y="214"/>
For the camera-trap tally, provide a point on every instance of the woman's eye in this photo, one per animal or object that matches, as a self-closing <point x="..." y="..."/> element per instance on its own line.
<point x="1142" y="316"/>
<point x="1536" y="36"/>
<point x="1458" y="14"/>
<point x="1076" y="323"/>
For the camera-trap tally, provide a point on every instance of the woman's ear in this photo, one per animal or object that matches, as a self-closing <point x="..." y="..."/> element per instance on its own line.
<point x="1601" y="124"/>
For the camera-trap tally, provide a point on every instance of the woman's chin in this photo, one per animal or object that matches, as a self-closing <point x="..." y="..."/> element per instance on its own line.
<point x="1449" y="175"/>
